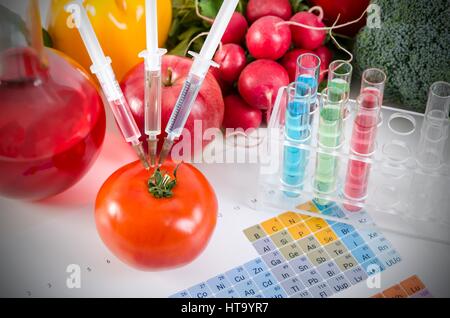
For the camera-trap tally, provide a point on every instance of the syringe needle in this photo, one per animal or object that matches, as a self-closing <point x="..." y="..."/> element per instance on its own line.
<point x="152" y="149"/>
<point x="139" y="149"/>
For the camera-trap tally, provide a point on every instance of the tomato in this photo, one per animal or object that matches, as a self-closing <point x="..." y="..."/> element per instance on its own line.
<point x="152" y="233"/>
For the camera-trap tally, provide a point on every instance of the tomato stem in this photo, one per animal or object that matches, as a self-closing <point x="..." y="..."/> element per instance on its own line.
<point x="161" y="184"/>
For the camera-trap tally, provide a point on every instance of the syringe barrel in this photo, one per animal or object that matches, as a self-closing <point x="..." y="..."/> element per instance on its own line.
<point x="153" y="103"/>
<point x="119" y="106"/>
<point x="183" y="106"/>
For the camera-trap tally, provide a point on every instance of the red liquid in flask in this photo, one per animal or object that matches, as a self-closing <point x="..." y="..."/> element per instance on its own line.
<point x="52" y="124"/>
<point x="362" y="143"/>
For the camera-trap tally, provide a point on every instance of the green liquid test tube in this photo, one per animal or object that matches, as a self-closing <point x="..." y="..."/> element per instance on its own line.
<point x="330" y="130"/>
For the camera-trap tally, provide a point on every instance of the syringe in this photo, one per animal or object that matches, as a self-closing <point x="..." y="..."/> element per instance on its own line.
<point x="153" y="58"/>
<point x="101" y="67"/>
<point x="197" y="74"/>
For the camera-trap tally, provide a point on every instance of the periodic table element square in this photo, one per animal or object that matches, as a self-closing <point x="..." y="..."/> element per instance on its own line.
<point x="293" y="286"/>
<point x="247" y="289"/>
<point x="342" y="229"/>
<point x="326" y="236"/>
<point x="380" y="245"/>
<point x="333" y="210"/>
<point x="425" y="293"/>
<point x="308" y="244"/>
<point x="273" y="259"/>
<point x="328" y="269"/>
<point x="310" y="277"/>
<point x="373" y="266"/>
<point x="299" y="231"/>
<point x="281" y="238"/>
<point x="265" y="280"/>
<point x="308" y="206"/>
<point x="274" y="292"/>
<point x="346" y="262"/>
<point x="395" y="291"/>
<point x="356" y="275"/>
<point x="272" y="225"/>
<point x="200" y="291"/>
<point x="264" y="246"/>
<point x="282" y="272"/>
<point x="291" y="251"/>
<point x="218" y="284"/>
<point x="254" y="233"/>
<point x="237" y="275"/>
<point x="316" y="224"/>
<point x="369" y="235"/>
<point x="336" y="249"/>
<point x="321" y="290"/>
<point x="289" y="218"/>
<point x="228" y="293"/>
<point x="318" y="256"/>
<point x="338" y="283"/>
<point x="303" y="294"/>
<point x="353" y="241"/>
<point x="389" y="258"/>
<point x="363" y="254"/>
<point x="255" y="267"/>
<point x="301" y="264"/>
<point x="181" y="294"/>
<point x="412" y="285"/>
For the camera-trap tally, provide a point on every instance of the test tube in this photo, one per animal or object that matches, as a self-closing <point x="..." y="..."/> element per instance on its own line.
<point x="363" y="144"/>
<point x="308" y="70"/>
<point x="339" y="79"/>
<point x="297" y="129"/>
<point x="434" y="131"/>
<point x="330" y="131"/>
<point x="373" y="81"/>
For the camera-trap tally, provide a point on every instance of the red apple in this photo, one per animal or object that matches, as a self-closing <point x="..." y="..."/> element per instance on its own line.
<point x="232" y="60"/>
<point x="208" y="107"/>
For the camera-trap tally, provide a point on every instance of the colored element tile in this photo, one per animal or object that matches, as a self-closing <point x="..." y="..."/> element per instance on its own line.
<point x="321" y="290"/>
<point x="299" y="231"/>
<point x="338" y="283"/>
<point x="412" y="285"/>
<point x="301" y="264"/>
<point x="281" y="238"/>
<point x="291" y="251"/>
<point x="272" y="225"/>
<point x="310" y="277"/>
<point x="254" y="233"/>
<point x="335" y="249"/>
<point x="218" y="284"/>
<point x="229" y="293"/>
<point x="274" y="292"/>
<point x="289" y="218"/>
<point x="346" y="262"/>
<point x="326" y="236"/>
<point x="316" y="224"/>
<point x="356" y="275"/>
<point x="353" y="240"/>
<point x="395" y="291"/>
<point x="329" y="269"/>
<point x="200" y="291"/>
<point x="308" y="244"/>
<point x="264" y="246"/>
<point x="308" y="206"/>
<point x="282" y="272"/>
<point x="237" y="275"/>
<point x="363" y="254"/>
<point x="265" y="280"/>
<point x="293" y="286"/>
<point x="255" y="267"/>
<point x="247" y="289"/>
<point x="342" y="229"/>
<point x="318" y="256"/>
<point x="273" y="259"/>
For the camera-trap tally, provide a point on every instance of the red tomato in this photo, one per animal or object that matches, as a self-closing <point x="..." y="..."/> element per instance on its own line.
<point x="151" y="233"/>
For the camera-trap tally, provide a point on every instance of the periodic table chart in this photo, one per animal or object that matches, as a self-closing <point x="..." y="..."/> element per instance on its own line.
<point x="303" y="256"/>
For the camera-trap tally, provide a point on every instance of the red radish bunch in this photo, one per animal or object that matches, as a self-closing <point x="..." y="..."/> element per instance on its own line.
<point x="268" y="40"/>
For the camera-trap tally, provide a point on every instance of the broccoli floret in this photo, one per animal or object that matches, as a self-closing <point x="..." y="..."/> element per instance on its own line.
<point x="412" y="47"/>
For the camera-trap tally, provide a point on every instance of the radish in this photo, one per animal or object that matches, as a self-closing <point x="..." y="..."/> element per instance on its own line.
<point x="238" y="114"/>
<point x="235" y="32"/>
<point x="260" y="8"/>
<point x="325" y="55"/>
<point x="232" y="60"/>
<point x="259" y="83"/>
<point x="308" y="38"/>
<point x="266" y="39"/>
<point x="289" y="61"/>
<point x="225" y="87"/>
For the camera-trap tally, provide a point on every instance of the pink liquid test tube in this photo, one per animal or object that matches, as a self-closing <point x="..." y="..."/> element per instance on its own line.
<point x="362" y="144"/>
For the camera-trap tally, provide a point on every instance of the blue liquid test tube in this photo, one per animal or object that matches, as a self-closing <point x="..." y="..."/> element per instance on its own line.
<point x="308" y="71"/>
<point x="297" y="129"/>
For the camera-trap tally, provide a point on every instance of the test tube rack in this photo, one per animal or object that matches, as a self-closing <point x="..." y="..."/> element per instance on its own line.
<point x="403" y="196"/>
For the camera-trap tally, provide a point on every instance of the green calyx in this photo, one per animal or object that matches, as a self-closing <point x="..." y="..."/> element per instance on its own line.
<point x="161" y="184"/>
